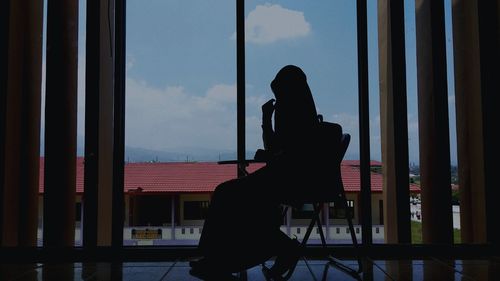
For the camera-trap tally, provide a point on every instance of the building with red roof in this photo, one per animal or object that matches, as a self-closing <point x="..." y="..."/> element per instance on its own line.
<point x="203" y="177"/>
<point x="176" y="195"/>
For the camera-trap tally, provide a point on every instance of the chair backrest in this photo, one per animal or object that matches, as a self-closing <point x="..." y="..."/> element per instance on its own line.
<point x="332" y="172"/>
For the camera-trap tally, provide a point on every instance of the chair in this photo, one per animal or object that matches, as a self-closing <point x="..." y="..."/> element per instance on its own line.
<point x="341" y="200"/>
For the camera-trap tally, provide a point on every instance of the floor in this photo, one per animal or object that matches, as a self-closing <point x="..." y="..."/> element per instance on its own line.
<point x="428" y="269"/>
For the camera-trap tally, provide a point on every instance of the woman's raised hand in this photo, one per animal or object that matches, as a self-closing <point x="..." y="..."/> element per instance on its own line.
<point x="268" y="108"/>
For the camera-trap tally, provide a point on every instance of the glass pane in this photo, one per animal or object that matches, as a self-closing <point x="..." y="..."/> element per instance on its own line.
<point x="42" y="132"/>
<point x="180" y="115"/>
<point x="81" y="121"/>
<point x="412" y="99"/>
<point x="375" y="134"/>
<point x="413" y="136"/>
<point x="320" y="38"/>
<point x="453" y="128"/>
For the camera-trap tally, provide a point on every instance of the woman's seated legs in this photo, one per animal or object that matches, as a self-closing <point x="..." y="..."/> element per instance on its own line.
<point x="241" y="222"/>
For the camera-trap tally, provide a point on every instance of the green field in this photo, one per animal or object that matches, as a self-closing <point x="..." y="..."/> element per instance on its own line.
<point x="416" y="233"/>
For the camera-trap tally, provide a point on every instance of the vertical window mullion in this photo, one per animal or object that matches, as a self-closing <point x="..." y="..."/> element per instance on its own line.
<point x="240" y="83"/>
<point x="364" y="122"/>
<point x="119" y="125"/>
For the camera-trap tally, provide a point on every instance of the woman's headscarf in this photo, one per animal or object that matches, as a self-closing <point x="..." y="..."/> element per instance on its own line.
<point x="295" y="112"/>
<point x="290" y="87"/>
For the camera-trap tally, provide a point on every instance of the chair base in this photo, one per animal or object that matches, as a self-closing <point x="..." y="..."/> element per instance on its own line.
<point x="338" y="264"/>
<point x="270" y="276"/>
<point x="315" y="221"/>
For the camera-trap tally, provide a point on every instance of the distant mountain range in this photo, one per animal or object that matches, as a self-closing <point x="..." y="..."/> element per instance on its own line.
<point x="136" y="154"/>
<point x="188" y="154"/>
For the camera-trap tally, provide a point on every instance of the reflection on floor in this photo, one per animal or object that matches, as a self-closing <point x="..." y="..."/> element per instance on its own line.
<point x="428" y="269"/>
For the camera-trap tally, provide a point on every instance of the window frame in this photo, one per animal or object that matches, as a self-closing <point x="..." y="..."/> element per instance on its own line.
<point x="365" y="196"/>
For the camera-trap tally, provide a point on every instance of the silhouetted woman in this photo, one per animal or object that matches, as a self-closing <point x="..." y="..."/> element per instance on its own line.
<point x="242" y="228"/>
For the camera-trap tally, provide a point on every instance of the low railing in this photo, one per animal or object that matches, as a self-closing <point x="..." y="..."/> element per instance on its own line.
<point x="189" y="235"/>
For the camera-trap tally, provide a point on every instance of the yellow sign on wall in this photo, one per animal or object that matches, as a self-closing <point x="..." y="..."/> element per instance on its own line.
<point x="146" y="233"/>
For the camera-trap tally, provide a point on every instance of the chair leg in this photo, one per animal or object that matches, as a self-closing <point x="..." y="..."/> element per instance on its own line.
<point x="283" y="214"/>
<point x="318" y="209"/>
<point x="340" y="265"/>
<point x="334" y="262"/>
<point x="311" y="225"/>
<point x="355" y="243"/>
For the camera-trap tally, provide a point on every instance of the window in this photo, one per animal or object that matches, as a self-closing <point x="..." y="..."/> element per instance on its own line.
<point x="306" y="212"/>
<point x="180" y="108"/>
<point x="195" y="210"/>
<point x="337" y="212"/>
<point x="150" y="210"/>
<point x="182" y="93"/>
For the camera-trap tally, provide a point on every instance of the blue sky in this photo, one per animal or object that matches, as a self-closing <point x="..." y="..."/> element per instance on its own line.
<point x="181" y="69"/>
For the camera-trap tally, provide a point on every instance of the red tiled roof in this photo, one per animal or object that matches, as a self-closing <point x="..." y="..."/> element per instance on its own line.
<point x="373" y="163"/>
<point x="180" y="177"/>
<point x="79" y="175"/>
<point x="351" y="177"/>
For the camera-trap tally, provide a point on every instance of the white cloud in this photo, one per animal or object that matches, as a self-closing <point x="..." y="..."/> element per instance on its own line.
<point x="349" y="122"/>
<point x="222" y="93"/>
<point x="257" y="101"/>
<point x="451" y="100"/>
<point x="350" y="125"/>
<point x="130" y="62"/>
<point x="270" y="23"/>
<point x="253" y="132"/>
<point x="173" y="118"/>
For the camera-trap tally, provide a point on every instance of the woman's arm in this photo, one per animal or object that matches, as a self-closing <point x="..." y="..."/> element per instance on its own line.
<point x="267" y="127"/>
